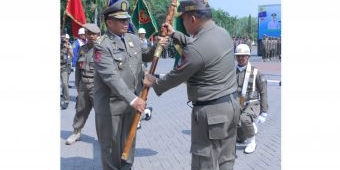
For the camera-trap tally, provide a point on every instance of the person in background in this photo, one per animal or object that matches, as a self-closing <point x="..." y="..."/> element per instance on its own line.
<point x="84" y="82"/>
<point x="69" y="60"/>
<point x="65" y="54"/>
<point x="252" y="90"/>
<point x="145" y="44"/>
<point x="273" y="24"/>
<point x="77" y="44"/>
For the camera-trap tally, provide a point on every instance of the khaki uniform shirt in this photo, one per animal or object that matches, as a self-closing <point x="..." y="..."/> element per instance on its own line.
<point x="63" y="57"/>
<point x="209" y="74"/>
<point x="85" y="68"/>
<point x="118" y="77"/>
<point x="260" y="91"/>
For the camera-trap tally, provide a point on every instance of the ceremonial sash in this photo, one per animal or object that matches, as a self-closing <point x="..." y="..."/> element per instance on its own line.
<point x="254" y="79"/>
<point x="246" y="80"/>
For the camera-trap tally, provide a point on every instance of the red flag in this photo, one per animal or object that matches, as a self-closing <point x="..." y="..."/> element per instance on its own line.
<point x="75" y="11"/>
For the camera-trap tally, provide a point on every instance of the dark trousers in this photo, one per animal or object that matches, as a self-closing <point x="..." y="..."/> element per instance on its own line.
<point x="84" y="105"/>
<point x="112" y="132"/>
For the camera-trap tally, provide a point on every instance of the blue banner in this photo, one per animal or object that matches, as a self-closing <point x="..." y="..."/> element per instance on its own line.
<point x="269" y="18"/>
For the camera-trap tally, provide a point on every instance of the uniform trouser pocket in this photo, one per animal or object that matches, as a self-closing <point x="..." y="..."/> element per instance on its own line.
<point x="201" y="157"/>
<point x="213" y="135"/>
<point x="217" y="126"/>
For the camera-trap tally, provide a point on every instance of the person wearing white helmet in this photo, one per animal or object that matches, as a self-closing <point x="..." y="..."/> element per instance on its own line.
<point x="252" y="90"/>
<point x="141" y="31"/>
<point x="145" y="44"/>
<point x="69" y="59"/>
<point x="65" y="56"/>
<point x="77" y="44"/>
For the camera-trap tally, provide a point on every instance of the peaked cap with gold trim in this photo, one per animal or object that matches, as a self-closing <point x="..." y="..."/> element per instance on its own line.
<point x="192" y="5"/>
<point x="118" y="10"/>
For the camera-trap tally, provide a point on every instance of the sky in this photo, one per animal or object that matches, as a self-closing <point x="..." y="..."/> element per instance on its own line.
<point x="241" y="8"/>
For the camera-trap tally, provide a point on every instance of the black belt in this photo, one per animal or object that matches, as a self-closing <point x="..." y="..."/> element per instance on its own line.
<point x="90" y="77"/>
<point x="216" y="101"/>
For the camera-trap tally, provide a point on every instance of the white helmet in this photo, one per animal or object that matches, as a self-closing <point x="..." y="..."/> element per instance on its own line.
<point x="242" y="49"/>
<point x="141" y="31"/>
<point x="81" y="31"/>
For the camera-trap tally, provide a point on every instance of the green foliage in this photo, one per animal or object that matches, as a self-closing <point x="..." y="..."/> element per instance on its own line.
<point x="237" y="27"/>
<point x="249" y="29"/>
<point x="159" y="9"/>
<point x="243" y="27"/>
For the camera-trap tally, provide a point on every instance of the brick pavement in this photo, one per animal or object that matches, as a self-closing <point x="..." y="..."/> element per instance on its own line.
<point x="163" y="143"/>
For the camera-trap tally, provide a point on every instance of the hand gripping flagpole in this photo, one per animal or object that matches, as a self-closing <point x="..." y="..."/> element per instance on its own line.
<point x="170" y="15"/>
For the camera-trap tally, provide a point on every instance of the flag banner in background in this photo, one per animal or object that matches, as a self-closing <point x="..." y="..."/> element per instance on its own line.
<point x="142" y="18"/>
<point x="111" y="2"/>
<point x="178" y="22"/>
<point x="178" y="25"/>
<point x="74" y="9"/>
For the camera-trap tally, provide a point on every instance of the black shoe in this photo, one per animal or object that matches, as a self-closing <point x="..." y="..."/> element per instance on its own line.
<point x="69" y="86"/>
<point x="64" y="106"/>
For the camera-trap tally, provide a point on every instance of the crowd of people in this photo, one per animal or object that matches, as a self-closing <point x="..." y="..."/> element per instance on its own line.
<point x="228" y="99"/>
<point x="270" y="48"/>
<point x="243" y="40"/>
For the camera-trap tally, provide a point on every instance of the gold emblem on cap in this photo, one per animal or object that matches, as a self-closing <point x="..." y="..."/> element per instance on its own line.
<point x="131" y="44"/>
<point x="189" y="8"/>
<point x="123" y="6"/>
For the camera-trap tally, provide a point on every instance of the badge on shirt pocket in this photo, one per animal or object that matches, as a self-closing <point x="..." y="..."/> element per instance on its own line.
<point x="131" y="44"/>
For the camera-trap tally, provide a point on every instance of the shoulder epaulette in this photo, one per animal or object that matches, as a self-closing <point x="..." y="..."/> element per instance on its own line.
<point x="101" y="38"/>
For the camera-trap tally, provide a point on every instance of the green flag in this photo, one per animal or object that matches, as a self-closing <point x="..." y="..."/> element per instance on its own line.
<point x="178" y="25"/>
<point x="142" y="18"/>
<point x="178" y="22"/>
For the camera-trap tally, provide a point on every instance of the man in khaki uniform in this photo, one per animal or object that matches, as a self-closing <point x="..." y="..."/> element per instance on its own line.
<point x="267" y="48"/>
<point x="252" y="89"/>
<point x="84" y="81"/>
<point x="207" y="66"/>
<point x="117" y="84"/>
<point x="65" y="54"/>
<point x="263" y="48"/>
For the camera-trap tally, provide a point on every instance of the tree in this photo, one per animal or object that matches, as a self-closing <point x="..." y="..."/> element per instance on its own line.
<point x="242" y="27"/>
<point x="249" y="26"/>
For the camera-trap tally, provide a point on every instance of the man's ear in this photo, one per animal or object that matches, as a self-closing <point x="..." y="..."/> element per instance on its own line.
<point x="193" y="19"/>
